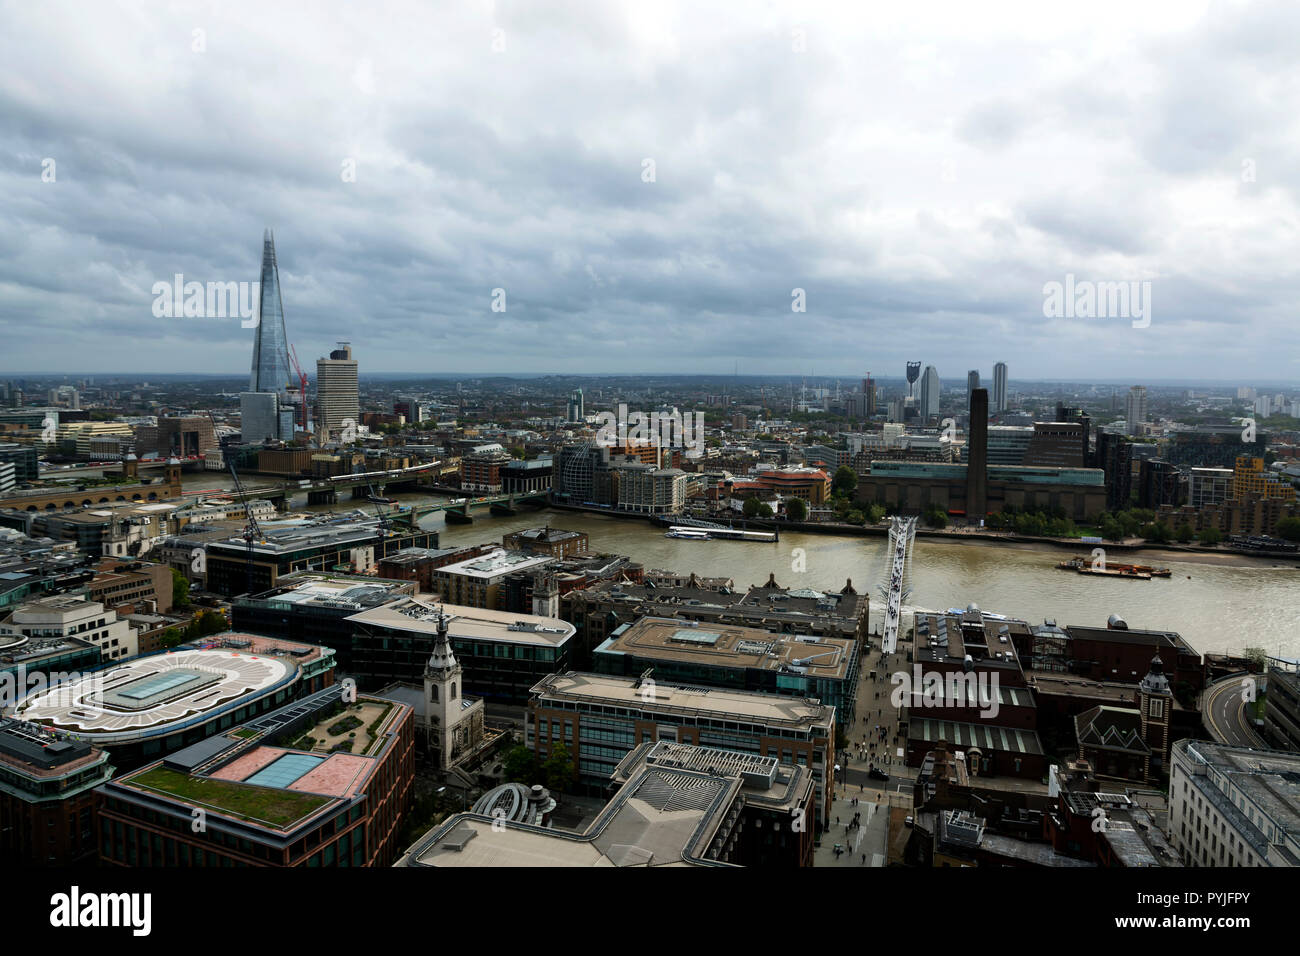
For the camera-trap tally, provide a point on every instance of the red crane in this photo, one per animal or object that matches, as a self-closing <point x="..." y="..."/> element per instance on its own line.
<point x="302" y="385"/>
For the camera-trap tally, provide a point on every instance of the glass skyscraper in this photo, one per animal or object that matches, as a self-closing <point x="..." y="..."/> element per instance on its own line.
<point x="270" y="343"/>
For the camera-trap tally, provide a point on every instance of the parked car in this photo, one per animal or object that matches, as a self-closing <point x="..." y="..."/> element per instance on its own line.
<point x="875" y="773"/>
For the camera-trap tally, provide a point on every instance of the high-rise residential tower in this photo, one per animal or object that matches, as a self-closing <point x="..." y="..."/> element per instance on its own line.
<point x="577" y="411"/>
<point x="977" y="456"/>
<point x="869" y="395"/>
<point x="1000" y="387"/>
<point x="1136" y="410"/>
<point x="929" y="393"/>
<point x="337" y="398"/>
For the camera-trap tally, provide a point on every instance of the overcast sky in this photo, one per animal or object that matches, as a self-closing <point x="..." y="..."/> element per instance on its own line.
<point x="920" y="170"/>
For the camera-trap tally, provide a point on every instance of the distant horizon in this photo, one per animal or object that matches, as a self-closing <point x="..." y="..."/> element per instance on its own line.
<point x="720" y="377"/>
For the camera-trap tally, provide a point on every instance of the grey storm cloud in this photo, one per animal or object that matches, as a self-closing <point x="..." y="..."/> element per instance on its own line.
<point x="919" y="173"/>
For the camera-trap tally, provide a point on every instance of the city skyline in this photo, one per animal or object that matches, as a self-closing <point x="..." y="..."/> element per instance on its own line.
<point x="650" y="224"/>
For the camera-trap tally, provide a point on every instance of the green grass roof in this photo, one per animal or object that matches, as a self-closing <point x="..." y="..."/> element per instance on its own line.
<point x="278" y="808"/>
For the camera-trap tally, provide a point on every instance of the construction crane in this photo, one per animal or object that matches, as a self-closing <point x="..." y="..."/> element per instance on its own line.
<point x="379" y="512"/>
<point x="302" y="385"/>
<point x="252" y="531"/>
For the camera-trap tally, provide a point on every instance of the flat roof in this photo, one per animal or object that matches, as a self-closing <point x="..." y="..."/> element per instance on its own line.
<point x="157" y="694"/>
<point x="341" y="593"/>
<point x="729" y="645"/>
<point x="269" y="807"/>
<point x="299" y="537"/>
<point x="467" y="623"/>
<point x="672" y="802"/>
<point x="496" y="563"/>
<point x="805" y="713"/>
<point x="1131" y="635"/>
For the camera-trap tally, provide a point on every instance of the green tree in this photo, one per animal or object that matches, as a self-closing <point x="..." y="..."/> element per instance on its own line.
<point x="171" y="637"/>
<point x="1209" y="536"/>
<point x="1289" y="529"/>
<point x="935" y="517"/>
<point x="750" y="507"/>
<point x="1158" y="532"/>
<point x="520" y="765"/>
<point x="208" y="622"/>
<point x="180" y="589"/>
<point x="796" y="509"/>
<point x="845" y="480"/>
<point x="855" y="517"/>
<point x="1184" y="533"/>
<point x="1256" y="659"/>
<point x="764" y="510"/>
<point x="558" y="768"/>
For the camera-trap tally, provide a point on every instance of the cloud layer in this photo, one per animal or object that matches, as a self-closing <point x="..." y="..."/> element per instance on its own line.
<point x="921" y="173"/>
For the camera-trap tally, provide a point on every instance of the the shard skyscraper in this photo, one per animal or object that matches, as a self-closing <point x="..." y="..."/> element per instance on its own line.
<point x="267" y="409"/>
<point x="270" y="343"/>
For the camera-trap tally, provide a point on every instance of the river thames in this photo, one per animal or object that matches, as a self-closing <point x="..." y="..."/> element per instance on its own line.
<point x="1215" y="607"/>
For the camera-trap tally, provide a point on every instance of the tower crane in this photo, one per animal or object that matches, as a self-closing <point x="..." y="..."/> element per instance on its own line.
<point x="252" y="531"/>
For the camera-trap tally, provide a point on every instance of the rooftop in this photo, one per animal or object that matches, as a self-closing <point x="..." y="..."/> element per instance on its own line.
<point x="299" y="537"/>
<point x="727" y="645"/>
<point x="1130" y="635"/>
<point x="672" y="802"/>
<point x="469" y="623"/>
<point x="495" y="564"/>
<point x="1269" y="779"/>
<point x="950" y="636"/>
<point x="158" y="694"/>
<point x="277" y="808"/>
<point x="335" y="592"/>
<point x="803" y="713"/>
<point x="39" y="752"/>
<point x="962" y="736"/>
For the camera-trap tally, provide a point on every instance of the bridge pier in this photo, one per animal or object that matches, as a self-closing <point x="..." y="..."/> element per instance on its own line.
<point x="503" y="508"/>
<point x="458" y="517"/>
<point x="326" y="497"/>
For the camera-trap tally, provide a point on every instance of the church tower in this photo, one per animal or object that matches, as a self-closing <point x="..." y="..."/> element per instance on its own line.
<point x="442" y="695"/>
<point x="1155" y="702"/>
<point x="546" y="596"/>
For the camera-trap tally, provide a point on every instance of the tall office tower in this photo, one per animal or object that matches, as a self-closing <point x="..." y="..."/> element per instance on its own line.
<point x="977" y="455"/>
<point x="929" y="393"/>
<point x="913" y="373"/>
<point x="270" y="343"/>
<point x="1136" y="410"/>
<point x="869" y="395"/>
<point x="577" y="412"/>
<point x="337" y="399"/>
<point x="1000" y="387"/>
<point x="972" y="383"/>
<point x="261" y="416"/>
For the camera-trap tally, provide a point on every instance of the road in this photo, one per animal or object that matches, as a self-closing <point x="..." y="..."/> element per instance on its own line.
<point x="1223" y="711"/>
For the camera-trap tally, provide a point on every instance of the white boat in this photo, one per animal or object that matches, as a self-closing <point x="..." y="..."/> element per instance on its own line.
<point x="690" y="534"/>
